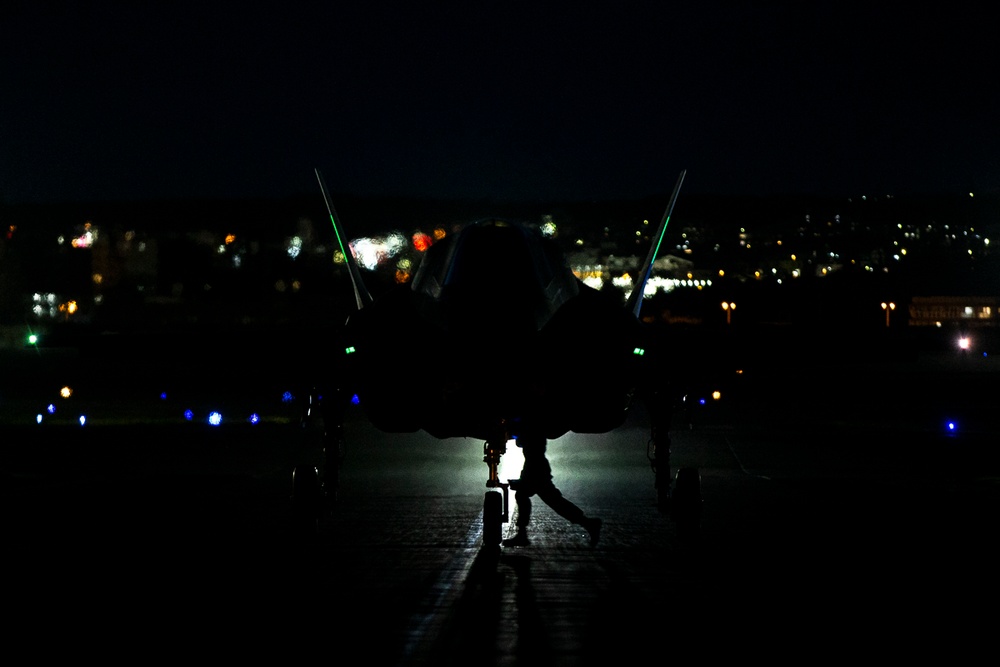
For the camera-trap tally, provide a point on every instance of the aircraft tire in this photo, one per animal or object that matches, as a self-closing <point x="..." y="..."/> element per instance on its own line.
<point x="492" y="519"/>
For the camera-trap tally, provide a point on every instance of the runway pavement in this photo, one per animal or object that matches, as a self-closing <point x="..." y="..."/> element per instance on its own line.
<point x="831" y="527"/>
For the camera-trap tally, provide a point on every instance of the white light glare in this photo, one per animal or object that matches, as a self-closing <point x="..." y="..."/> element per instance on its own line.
<point x="294" y="247"/>
<point x="371" y="252"/>
<point x="512" y="462"/>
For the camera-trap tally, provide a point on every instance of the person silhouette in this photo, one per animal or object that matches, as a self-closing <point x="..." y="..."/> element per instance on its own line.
<point x="536" y="479"/>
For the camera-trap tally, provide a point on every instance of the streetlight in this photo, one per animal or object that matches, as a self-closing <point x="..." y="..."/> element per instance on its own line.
<point x="887" y="307"/>
<point x="729" y="307"/>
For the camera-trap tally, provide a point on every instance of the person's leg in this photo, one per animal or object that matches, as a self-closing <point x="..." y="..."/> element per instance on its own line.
<point x="554" y="498"/>
<point x="520" y="539"/>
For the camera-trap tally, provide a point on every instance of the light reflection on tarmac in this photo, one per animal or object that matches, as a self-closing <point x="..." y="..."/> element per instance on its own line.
<point x="821" y="534"/>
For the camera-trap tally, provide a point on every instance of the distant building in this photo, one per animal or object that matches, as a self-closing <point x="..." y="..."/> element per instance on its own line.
<point x="972" y="311"/>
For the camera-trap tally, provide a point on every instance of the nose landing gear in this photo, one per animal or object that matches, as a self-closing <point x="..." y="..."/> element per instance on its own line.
<point x="496" y="503"/>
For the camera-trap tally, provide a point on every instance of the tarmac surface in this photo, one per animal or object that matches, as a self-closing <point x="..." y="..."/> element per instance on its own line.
<point x="841" y="518"/>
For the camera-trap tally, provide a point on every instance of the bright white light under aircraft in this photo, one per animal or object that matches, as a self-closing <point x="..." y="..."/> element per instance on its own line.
<point x="511" y="463"/>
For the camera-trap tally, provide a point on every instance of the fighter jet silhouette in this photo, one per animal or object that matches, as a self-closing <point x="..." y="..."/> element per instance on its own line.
<point x="525" y="349"/>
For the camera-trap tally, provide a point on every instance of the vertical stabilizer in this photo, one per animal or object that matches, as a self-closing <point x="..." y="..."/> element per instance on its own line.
<point x="634" y="303"/>
<point x="361" y="293"/>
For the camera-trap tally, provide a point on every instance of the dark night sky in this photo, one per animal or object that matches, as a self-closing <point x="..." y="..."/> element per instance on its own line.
<point x="496" y="100"/>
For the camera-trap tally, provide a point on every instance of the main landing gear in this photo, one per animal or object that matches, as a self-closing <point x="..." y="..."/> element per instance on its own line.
<point x="679" y="498"/>
<point x="320" y="429"/>
<point x="496" y="502"/>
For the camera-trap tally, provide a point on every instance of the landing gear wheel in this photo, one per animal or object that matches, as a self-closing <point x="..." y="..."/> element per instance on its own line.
<point x="685" y="503"/>
<point x="492" y="519"/>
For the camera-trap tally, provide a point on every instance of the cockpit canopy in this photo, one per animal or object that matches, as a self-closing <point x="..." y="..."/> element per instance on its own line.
<point x="494" y="271"/>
